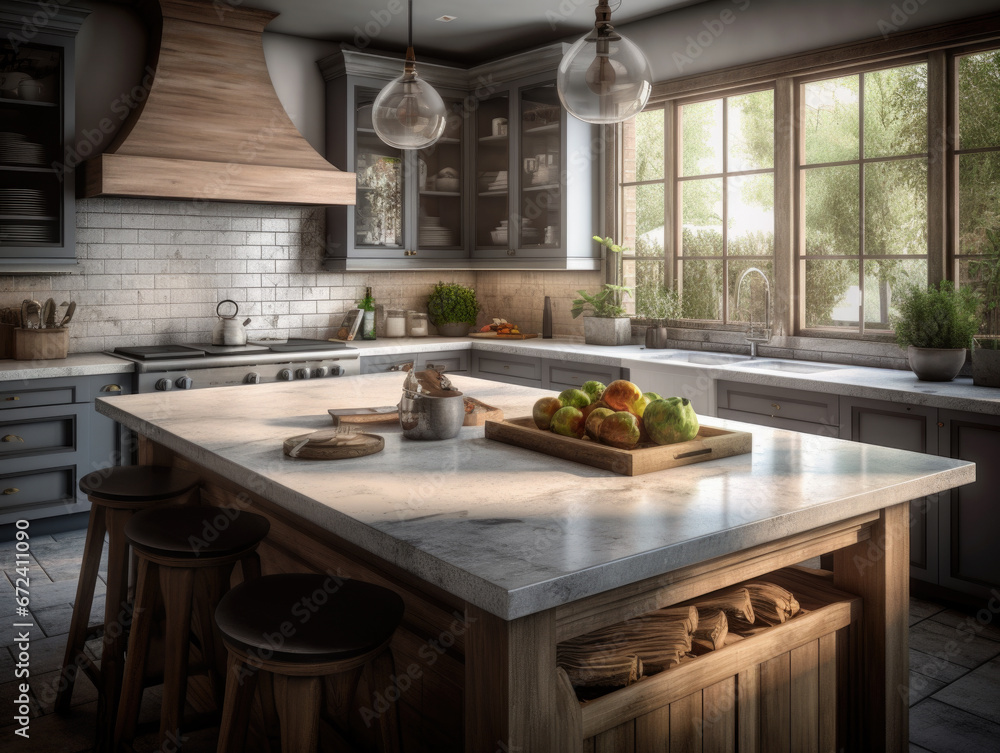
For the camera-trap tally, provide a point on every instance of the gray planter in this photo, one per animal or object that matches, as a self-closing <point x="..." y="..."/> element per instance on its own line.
<point x="986" y="367"/>
<point x="936" y="364"/>
<point x="601" y="331"/>
<point x="453" y="329"/>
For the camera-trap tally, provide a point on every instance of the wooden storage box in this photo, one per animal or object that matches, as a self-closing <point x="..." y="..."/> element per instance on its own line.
<point x="710" y="444"/>
<point x="41" y="344"/>
<point x="775" y="691"/>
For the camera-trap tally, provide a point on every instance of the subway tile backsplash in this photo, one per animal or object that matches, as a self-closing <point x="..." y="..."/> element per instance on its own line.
<point x="154" y="270"/>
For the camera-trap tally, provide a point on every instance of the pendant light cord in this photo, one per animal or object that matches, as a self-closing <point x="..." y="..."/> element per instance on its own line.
<point x="409" y="25"/>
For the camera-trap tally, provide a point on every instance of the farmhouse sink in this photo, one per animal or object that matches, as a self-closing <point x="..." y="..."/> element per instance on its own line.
<point x="706" y="359"/>
<point x="791" y="366"/>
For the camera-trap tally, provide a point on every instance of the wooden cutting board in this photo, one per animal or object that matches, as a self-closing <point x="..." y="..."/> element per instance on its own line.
<point x="498" y="336"/>
<point x="332" y="444"/>
<point x="477" y="415"/>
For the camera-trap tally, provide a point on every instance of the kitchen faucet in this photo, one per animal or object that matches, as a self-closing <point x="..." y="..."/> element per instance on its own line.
<point x="755" y="336"/>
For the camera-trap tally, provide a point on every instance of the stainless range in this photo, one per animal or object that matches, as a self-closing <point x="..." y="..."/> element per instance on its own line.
<point x="197" y="366"/>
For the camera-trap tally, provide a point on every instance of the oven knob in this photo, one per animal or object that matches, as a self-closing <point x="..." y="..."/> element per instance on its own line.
<point x="321" y="372"/>
<point x="252" y="378"/>
<point x="335" y="371"/>
<point x="285" y="375"/>
<point x="302" y="374"/>
<point x="185" y="383"/>
<point x="163" y="384"/>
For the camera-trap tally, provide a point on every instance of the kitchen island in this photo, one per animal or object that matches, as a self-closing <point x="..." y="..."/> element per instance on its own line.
<point x="501" y="553"/>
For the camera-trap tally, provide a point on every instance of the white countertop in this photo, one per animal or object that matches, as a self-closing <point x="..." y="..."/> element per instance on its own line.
<point x="513" y="531"/>
<point x="76" y="364"/>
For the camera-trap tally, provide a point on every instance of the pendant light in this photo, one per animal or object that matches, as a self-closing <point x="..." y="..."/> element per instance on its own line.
<point x="604" y="77"/>
<point x="408" y="113"/>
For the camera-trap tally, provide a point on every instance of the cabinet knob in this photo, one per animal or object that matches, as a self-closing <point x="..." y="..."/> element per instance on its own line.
<point x="13" y="438"/>
<point x="111" y="388"/>
<point x="775" y="406"/>
<point x="11" y="490"/>
<point x="511" y="252"/>
<point x="8" y="399"/>
<point x="940" y="424"/>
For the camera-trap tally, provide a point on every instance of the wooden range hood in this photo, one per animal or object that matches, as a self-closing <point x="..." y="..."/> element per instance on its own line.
<point x="211" y="127"/>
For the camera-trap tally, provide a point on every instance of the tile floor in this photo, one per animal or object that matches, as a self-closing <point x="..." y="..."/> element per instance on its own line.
<point x="954" y="665"/>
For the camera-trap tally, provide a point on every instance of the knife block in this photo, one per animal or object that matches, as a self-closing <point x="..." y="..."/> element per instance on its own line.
<point x="40" y="344"/>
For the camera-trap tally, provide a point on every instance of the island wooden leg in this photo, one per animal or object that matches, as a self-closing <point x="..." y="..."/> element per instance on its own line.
<point x="510" y="683"/>
<point x="876" y="694"/>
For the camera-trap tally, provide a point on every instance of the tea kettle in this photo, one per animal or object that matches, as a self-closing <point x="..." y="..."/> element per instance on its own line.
<point x="227" y="330"/>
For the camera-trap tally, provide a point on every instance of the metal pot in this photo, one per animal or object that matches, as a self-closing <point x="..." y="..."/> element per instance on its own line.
<point x="425" y="417"/>
<point x="227" y="330"/>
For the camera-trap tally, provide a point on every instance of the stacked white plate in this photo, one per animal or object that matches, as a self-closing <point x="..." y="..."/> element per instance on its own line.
<point x="14" y="148"/>
<point x="22" y="201"/>
<point x="26" y="234"/>
<point x="430" y="233"/>
<point x="495" y="180"/>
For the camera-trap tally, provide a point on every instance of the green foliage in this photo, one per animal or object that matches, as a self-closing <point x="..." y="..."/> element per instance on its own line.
<point x="452" y="303"/>
<point x="367" y="303"/>
<point x="606" y="304"/>
<point x="984" y="278"/>
<point x="941" y="317"/>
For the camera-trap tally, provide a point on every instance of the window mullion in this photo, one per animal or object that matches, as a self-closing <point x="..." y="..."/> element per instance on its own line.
<point x="937" y="162"/>
<point x="783" y="285"/>
<point x="861" y="203"/>
<point x="725" y="210"/>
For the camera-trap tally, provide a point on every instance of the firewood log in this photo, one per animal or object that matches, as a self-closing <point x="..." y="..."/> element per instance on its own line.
<point x="713" y="627"/>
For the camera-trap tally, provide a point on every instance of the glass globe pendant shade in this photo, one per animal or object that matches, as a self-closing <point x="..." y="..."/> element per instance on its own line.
<point x="409" y="113"/>
<point x="604" y="77"/>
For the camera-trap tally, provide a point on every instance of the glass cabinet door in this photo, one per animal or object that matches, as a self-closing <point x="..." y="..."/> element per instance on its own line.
<point x="31" y="144"/>
<point x="440" y="171"/>
<point x="540" y="196"/>
<point x="378" y="215"/>
<point x="492" y="180"/>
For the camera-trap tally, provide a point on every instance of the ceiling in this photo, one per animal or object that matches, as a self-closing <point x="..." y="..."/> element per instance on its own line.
<point x="482" y="29"/>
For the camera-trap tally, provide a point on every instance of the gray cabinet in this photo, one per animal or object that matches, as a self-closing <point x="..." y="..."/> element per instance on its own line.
<point x="448" y="361"/>
<point x="50" y="436"/>
<point x="504" y="367"/>
<point x="38" y="219"/>
<point x="796" y="410"/>
<point x="512" y="184"/>
<point x="969" y="516"/>
<point x="902" y="427"/>
<point x="562" y="375"/>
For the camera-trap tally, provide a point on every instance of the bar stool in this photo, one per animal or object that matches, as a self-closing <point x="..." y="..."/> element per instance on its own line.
<point x="180" y="548"/>
<point x="115" y="494"/>
<point x="300" y="628"/>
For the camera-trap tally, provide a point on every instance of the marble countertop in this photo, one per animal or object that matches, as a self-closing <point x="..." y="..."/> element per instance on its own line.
<point x="76" y="364"/>
<point x="513" y="531"/>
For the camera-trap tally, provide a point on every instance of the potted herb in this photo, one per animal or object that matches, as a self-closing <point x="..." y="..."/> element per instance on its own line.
<point x="659" y="304"/>
<point x="984" y="275"/>
<point x="367" y="305"/>
<point x="452" y="308"/>
<point x="607" y="323"/>
<point x="936" y="325"/>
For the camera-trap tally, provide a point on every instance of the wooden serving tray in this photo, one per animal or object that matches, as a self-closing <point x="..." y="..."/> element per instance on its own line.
<point x="710" y="444"/>
<point x="498" y="336"/>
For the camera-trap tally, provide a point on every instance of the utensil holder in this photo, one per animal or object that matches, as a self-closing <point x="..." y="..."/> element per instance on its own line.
<point x="41" y="344"/>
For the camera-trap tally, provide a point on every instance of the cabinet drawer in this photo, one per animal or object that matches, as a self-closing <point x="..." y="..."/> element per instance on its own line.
<point x="772" y="402"/>
<point x="561" y="375"/>
<point x="450" y="361"/>
<point x="383" y="364"/>
<point x="35" y="395"/>
<point x="21" y="491"/>
<point x="37" y="435"/>
<point x="506" y="368"/>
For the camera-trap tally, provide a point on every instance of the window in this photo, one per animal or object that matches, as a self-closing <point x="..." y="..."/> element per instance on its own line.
<point x="863" y="195"/>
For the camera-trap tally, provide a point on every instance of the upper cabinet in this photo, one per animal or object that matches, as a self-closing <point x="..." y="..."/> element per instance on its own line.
<point x="511" y="185"/>
<point x="37" y="102"/>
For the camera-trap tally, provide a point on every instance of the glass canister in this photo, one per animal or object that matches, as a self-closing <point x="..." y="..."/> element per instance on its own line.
<point x="418" y="325"/>
<point x="395" y="323"/>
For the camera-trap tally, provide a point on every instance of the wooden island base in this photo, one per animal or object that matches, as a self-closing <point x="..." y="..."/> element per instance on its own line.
<point x="467" y="680"/>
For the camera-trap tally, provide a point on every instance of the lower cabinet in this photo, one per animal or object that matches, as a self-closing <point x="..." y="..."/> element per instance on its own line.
<point x="50" y="436"/>
<point x="969" y="516"/>
<point x="901" y="427"/>
<point x="449" y="361"/>
<point x="547" y="373"/>
<point x="780" y="408"/>
<point x="564" y="375"/>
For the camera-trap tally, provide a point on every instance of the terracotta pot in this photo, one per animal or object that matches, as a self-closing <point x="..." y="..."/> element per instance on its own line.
<point x="935" y="364"/>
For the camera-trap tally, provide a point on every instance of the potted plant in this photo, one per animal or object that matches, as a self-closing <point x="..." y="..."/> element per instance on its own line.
<point x="367" y="305"/>
<point x="936" y="325"/>
<point x="452" y="308"/>
<point x="984" y="275"/>
<point x="607" y="323"/>
<point x="659" y="304"/>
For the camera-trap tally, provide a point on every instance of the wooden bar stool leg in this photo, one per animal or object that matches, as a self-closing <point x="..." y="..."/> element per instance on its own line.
<point x="250" y="566"/>
<point x="378" y="676"/>
<point x="298" y="700"/>
<point x="143" y="613"/>
<point x="116" y="618"/>
<point x="341" y="690"/>
<point x="241" y="680"/>
<point x="177" y="587"/>
<point x="212" y="585"/>
<point x="80" y="622"/>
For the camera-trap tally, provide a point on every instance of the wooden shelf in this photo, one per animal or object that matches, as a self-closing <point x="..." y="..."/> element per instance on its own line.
<point x="445" y="140"/>
<point x="493" y="139"/>
<point x="26" y="103"/>
<point x="493" y="193"/>
<point x="26" y="169"/>
<point x="20" y="217"/>
<point x="547" y="128"/>
<point x="546" y="187"/>
<point x="440" y="193"/>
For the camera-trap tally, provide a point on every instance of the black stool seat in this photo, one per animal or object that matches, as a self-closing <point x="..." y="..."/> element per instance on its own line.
<point x="332" y="619"/>
<point x="193" y="531"/>
<point x="138" y="483"/>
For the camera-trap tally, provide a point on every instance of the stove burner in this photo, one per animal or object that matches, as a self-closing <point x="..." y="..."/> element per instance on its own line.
<point x="152" y="352"/>
<point x="196" y="350"/>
